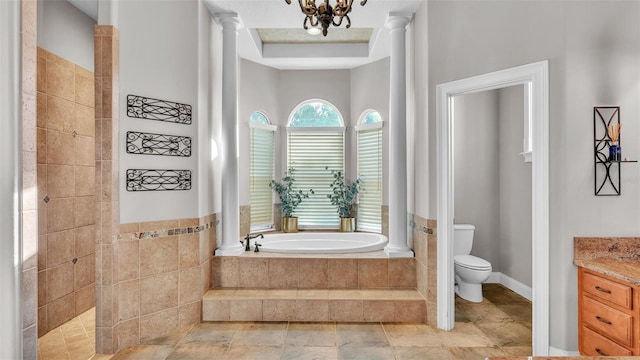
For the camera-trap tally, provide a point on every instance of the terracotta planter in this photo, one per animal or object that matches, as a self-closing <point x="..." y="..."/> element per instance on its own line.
<point x="290" y="224"/>
<point x="347" y="224"/>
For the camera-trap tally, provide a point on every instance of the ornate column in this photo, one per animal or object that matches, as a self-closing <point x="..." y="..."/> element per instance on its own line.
<point x="397" y="247"/>
<point x="230" y="245"/>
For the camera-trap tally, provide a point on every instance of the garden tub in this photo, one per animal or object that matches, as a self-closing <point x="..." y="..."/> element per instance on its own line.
<point x="322" y="242"/>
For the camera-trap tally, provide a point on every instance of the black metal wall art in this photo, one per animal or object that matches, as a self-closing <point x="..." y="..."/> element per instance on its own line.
<point x="158" y="180"/>
<point x="158" y="144"/>
<point x="162" y="110"/>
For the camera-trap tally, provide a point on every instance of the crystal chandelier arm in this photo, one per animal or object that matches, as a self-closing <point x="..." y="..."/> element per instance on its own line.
<point x="342" y="8"/>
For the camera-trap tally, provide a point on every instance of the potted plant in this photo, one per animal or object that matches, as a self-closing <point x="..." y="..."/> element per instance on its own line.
<point x="343" y="196"/>
<point x="289" y="200"/>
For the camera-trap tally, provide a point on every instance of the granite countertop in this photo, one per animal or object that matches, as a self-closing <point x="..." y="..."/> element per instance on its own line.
<point x="618" y="257"/>
<point x="626" y="270"/>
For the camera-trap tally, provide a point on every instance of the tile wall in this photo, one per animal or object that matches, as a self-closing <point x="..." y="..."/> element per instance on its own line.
<point x="66" y="190"/>
<point x="28" y="23"/>
<point x="425" y="248"/>
<point x="245" y="220"/>
<point x="161" y="271"/>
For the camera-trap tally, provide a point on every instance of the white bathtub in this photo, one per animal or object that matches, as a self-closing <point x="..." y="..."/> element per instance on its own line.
<point x="322" y="242"/>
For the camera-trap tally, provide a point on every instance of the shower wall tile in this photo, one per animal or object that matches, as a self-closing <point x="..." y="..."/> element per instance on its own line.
<point x="129" y="228"/>
<point x="84" y="211"/>
<point x="60" y="148"/>
<point x="42" y="251"/>
<point x="158" y="324"/>
<point x="60" y="78"/>
<point x="84" y="86"/>
<point x="191" y="222"/>
<point x="41" y="146"/>
<point x="127" y="333"/>
<point x="84" y="180"/>
<point x="59" y="248"/>
<point x="59" y="113"/>
<point x="189" y="284"/>
<point x="59" y="281"/>
<point x="60" y="311"/>
<point x="84" y="272"/>
<point x="85" y="299"/>
<point x="190" y="314"/>
<point x="129" y="300"/>
<point x="84" y="120"/>
<point x="59" y="214"/>
<point x="205" y="278"/>
<point x="84" y="148"/>
<point x="128" y="260"/>
<point x="41" y="77"/>
<point x="60" y="181"/>
<point x="189" y="249"/>
<point x="30" y="296"/>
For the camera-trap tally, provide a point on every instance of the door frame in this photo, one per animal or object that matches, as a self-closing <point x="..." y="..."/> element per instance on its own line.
<point x="535" y="78"/>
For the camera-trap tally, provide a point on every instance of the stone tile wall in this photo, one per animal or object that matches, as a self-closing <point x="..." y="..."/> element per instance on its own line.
<point x="66" y="190"/>
<point x="425" y="248"/>
<point x="245" y="220"/>
<point x="28" y="34"/>
<point x="161" y="271"/>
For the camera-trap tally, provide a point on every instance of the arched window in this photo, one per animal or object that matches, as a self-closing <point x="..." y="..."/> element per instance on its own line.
<point x="261" y="171"/>
<point x="315" y="142"/>
<point x="369" y="134"/>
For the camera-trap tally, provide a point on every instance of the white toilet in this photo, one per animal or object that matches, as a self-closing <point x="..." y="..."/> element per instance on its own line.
<point x="471" y="271"/>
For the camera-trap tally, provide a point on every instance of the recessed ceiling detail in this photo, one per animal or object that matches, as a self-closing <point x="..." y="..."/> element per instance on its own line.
<point x="300" y="36"/>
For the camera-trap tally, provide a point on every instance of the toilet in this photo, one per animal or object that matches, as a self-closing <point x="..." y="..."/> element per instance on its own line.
<point x="470" y="271"/>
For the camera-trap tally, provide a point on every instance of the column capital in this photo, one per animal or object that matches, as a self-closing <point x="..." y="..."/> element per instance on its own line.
<point x="398" y="20"/>
<point x="228" y="20"/>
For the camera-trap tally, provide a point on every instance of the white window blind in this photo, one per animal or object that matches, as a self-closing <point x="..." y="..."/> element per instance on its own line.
<point x="370" y="171"/>
<point x="310" y="152"/>
<point x="261" y="173"/>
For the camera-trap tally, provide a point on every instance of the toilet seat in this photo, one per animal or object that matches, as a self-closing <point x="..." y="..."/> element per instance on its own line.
<point x="472" y="262"/>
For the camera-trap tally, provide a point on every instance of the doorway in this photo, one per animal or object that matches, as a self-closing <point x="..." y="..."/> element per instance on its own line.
<point x="535" y="79"/>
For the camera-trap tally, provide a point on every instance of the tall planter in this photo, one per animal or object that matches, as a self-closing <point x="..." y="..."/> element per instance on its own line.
<point x="290" y="224"/>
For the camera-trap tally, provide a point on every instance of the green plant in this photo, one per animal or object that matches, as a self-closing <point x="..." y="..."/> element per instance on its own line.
<point x="343" y="193"/>
<point x="289" y="198"/>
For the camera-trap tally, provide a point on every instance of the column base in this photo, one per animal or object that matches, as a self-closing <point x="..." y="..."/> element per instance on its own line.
<point x="395" y="252"/>
<point x="230" y="251"/>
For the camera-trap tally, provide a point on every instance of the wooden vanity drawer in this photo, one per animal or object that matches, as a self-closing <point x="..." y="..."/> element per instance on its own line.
<point x="613" y="323"/>
<point x="614" y="292"/>
<point x="594" y="344"/>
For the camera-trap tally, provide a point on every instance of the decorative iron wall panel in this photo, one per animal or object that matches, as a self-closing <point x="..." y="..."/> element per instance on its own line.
<point x="162" y="110"/>
<point x="158" y="144"/>
<point x="158" y="180"/>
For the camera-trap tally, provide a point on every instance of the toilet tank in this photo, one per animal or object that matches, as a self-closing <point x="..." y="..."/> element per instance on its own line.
<point x="462" y="238"/>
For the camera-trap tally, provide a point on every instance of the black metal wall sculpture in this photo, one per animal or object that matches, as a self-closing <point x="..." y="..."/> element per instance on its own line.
<point x="153" y="109"/>
<point x="158" y="180"/>
<point x="158" y="144"/>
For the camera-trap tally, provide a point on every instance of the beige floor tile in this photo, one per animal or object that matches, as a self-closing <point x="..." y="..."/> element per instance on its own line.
<point x="518" y="350"/>
<point x="361" y="335"/>
<point x="253" y="353"/>
<point x="482" y="312"/>
<point x="311" y="334"/>
<point x="507" y="333"/>
<point x="365" y="353"/>
<point x="411" y="335"/>
<point x="498" y="294"/>
<point x="422" y="353"/>
<point x="475" y="353"/>
<point x="144" y="352"/>
<point x="101" y="357"/>
<point x="464" y="335"/>
<point x="518" y="312"/>
<point x="210" y="334"/>
<point x="309" y="353"/>
<point x="204" y="352"/>
<point x="261" y="334"/>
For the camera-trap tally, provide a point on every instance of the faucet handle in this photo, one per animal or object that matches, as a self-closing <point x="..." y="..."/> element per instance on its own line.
<point x="257" y="247"/>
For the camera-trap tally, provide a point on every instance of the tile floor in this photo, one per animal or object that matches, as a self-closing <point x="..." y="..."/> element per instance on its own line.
<point x="499" y="326"/>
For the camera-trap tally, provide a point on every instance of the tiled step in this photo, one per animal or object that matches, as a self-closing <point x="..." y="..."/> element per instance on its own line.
<point x="264" y="270"/>
<point x="343" y="305"/>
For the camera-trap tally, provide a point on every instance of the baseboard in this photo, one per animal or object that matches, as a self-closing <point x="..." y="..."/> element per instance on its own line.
<point x="560" y="352"/>
<point x="511" y="284"/>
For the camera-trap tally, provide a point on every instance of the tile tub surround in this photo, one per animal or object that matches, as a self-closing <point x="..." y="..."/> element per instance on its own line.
<point x="616" y="257"/>
<point x="66" y="189"/>
<point x="161" y="270"/>
<point x="425" y="245"/>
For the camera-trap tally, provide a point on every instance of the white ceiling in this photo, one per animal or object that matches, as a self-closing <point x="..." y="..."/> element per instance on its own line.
<point x="277" y="14"/>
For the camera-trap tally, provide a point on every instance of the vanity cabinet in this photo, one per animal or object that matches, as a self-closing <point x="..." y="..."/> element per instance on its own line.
<point x="608" y="315"/>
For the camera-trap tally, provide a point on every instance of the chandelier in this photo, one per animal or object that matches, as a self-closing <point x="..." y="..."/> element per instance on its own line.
<point x="325" y="14"/>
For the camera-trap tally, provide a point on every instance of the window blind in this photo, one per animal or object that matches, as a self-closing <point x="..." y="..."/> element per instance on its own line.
<point x="370" y="171"/>
<point x="260" y="175"/>
<point x="309" y="152"/>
